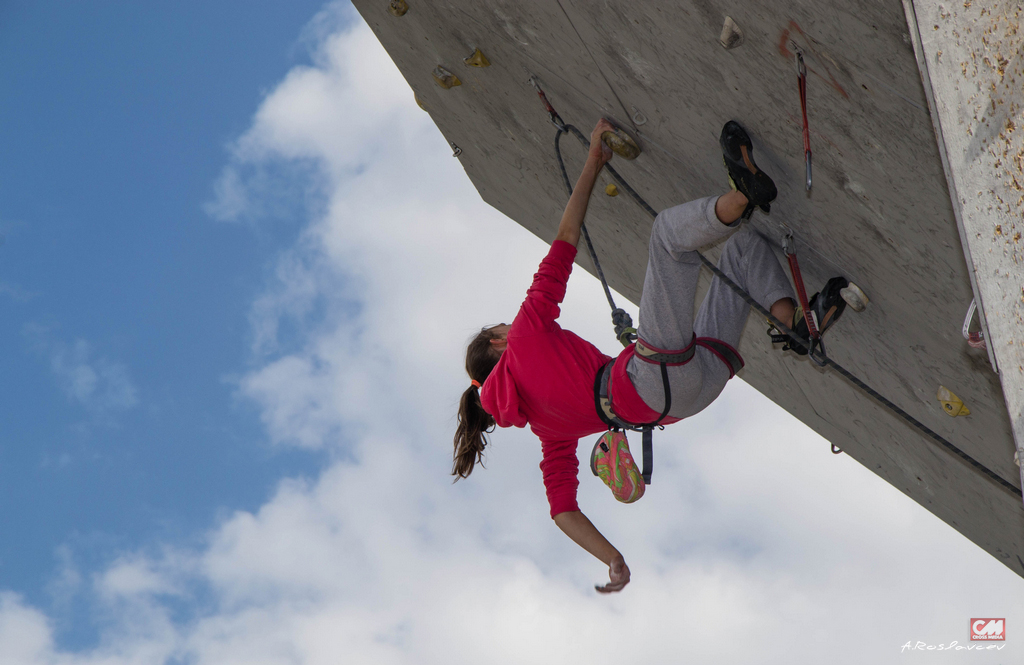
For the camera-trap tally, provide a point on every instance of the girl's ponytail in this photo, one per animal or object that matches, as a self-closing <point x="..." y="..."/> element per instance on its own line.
<point x="474" y="422"/>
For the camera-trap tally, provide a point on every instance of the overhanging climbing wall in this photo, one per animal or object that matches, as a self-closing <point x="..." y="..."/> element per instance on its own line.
<point x="879" y="212"/>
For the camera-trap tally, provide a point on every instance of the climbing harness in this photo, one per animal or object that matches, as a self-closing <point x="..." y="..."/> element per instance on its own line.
<point x="665" y="359"/>
<point x="801" y="75"/>
<point x="603" y="403"/>
<point x="654" y="355"/>
<point x="818" y="355"/>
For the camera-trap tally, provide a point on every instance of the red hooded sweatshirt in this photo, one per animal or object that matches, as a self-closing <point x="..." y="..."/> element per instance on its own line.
<point x="545" y="378"/>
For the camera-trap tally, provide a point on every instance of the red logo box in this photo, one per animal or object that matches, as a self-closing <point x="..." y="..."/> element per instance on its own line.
<point x="984" y="630"/>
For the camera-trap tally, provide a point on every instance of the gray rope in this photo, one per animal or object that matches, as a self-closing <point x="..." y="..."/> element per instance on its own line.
<point x="815" y="354"/>
<point x="621" y="320"/>
<point x="583" y="227"/>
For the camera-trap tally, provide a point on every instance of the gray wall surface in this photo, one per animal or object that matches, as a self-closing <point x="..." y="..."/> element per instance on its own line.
<point x="879" y="213"/>
<point x="971" y="62"/>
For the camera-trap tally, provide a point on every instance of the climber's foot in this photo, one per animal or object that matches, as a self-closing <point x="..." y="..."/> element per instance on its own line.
<point x="744" y="175"/>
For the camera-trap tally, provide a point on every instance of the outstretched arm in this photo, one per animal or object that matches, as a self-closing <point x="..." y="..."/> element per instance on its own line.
<point x="582" y="531"/>
<point x="576" y="209"/>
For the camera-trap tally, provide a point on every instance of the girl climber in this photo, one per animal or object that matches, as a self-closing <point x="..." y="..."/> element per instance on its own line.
<point x="534" y="372"/>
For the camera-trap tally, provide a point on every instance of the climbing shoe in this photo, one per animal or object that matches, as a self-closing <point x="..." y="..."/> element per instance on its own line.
<point x="611" y="462"/>
<point x="744" y="176"/>
<point x="826" y="306"/>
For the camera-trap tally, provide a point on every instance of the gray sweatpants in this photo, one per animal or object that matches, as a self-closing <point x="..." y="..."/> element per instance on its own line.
<point x="670" y="287"/>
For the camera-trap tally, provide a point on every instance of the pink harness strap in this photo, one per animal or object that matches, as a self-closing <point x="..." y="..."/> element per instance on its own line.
<point x="652" y="354"/>
<point x="674" y="358"/>
<point x="730" y="356"/>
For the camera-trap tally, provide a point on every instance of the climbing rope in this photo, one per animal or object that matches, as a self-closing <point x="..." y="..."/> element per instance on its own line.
<point x="819" y="357"/>
<point x="623" y="322"/>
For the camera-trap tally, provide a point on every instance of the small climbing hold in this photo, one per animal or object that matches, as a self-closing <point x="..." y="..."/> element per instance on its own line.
<point x="855" y="297"/>
<point x="951" y="404"/>
<point x="419" y="102"/>
<point x="621" y="144"/>
<point x="477" y="59"/>
<point x="456" y="150"/>
<point x="611" y="190"/>
<point x="638" y="117"/>
<point x="445" y="78"/>
<point x="398" y="7"/>
<point x="731" y="36"/>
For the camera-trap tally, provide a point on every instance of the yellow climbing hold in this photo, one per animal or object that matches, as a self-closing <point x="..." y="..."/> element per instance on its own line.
<point x="478" y="59"/>
<point x="951" y="404"/>
<point x="611" y="190"/>
<point x="445" y="78"/>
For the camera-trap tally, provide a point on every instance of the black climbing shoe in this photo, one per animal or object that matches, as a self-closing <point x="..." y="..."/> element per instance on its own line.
<point x="828" y="306"/>
<point x="744" y="175"/>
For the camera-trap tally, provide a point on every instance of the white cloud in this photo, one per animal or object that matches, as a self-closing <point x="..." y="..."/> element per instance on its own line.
<point x="133" y="577"/>
<point x="25" y="634"/>
<point x="754" y="543"/>
<point x="67" y="581"/>
<point x="230" y="199"/>
<point x="96" y="383"/>
<point x="100" y="385"/>
<point x="15" y="292"/>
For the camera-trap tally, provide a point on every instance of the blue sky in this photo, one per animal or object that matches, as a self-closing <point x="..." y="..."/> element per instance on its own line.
<point x="232" y="355"/>
<point x="114" y="121"/>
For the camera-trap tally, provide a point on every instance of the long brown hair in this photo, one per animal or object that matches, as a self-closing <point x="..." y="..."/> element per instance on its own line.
<point x="474" y="422"/>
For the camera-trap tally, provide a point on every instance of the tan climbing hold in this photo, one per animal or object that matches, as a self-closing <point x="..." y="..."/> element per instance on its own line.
<point x="398" y="7"/>
<point x="731" y="36"/>
<point x="855" y="297"/>
<point x="478" y="59"/>
<point x="611" y="190"/>
<point x="445" y="78"/>
<point x="951" y="404"/>
<point x="621" y="144"/>
<point x="419" y="102"/>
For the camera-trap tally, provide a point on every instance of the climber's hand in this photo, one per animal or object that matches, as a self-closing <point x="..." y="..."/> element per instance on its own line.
<point x="618" y="574"/>
<point x="599" y="150"/>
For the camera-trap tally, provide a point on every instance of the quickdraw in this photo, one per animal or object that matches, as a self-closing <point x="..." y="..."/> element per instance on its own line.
<point x="801" y="75"/>
<point x="789" y="248"/>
